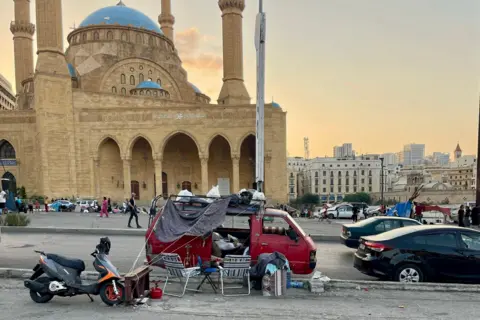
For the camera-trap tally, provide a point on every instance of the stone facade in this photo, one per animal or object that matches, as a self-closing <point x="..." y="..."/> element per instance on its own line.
<point x="88" y="132"/>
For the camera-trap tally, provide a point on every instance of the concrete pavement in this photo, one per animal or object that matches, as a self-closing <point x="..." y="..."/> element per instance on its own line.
<point x="16" y="304"/>
<point x="16" y="251"/>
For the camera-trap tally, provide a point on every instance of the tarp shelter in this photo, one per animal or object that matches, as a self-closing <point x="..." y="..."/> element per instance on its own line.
<point x="403" y="209"/>
<point x="425" y="208"/>
<point x="175" y="223"/>
<point x="11" y="202"/>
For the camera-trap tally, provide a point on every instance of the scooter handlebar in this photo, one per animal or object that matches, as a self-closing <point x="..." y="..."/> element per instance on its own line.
<point x="40" y="252"/>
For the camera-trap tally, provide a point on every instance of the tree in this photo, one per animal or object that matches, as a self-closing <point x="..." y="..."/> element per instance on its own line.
<point x="358" y="197"/>
<point x="21" y="193"/>
<point x="310" y="198"/>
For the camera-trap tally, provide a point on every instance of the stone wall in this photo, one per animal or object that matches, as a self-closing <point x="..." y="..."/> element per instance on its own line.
<point x="434" y="196"/>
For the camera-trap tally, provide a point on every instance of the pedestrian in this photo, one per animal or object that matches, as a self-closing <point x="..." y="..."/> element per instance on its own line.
<point x="355" y="214"/>
<point x="30" y="206"/>
<point x="104" y="210"/>
<point x="37" y="205"/>
<point x="468" y="214"/>
<point x="461" y="216"/>
<point x="46" y="204"/>
<point x="3" y="201"/>
<point x="133" y="212"/>
<point x="475" y="216"/>
<point x="365" y="213"/>
<point x="109" y="205"/>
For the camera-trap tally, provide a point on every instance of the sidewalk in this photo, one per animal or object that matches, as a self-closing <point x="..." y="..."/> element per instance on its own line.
<point x="351" y="304"/>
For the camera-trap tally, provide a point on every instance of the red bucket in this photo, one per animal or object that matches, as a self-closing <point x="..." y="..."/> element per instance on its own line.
<point x="156" y="293"/>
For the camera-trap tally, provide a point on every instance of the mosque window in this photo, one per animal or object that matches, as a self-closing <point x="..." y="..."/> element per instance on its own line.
<point x="141" y="78"/>
<point x="123" y="80"/>
<point x="159" y="82"/>
<point x="148" y="93"/>
<point x="84" y="37"/>
<point x="124" y="91"/>
<point x="150" y="41"/>
<point x="132" y="80"/>
<point x="96" y="36"/>
<point x="109" y="35"/>
<point x="124" y="36"/>
<point x="139" y="38"/>
<point x="114" y="89"/>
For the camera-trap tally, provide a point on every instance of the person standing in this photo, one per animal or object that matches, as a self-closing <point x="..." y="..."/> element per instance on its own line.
<point x="133" y="212"/>
<point x="468" y="214"/>
<point x="109" y="205"/>
<point x="104" y="210"/>
<point x="46" y="204"/>
<point x="3" y="201"/>
<point x="355" y="214"/>
<point x="475" y="216"/>
<point x="461" y="216"/>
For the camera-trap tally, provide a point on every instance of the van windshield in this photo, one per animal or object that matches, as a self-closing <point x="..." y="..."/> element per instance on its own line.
<point x="292" y="221"/>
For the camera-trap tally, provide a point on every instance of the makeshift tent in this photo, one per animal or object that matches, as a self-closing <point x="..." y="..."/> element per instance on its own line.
<point x="174" y="222"/>
<point x="11" y="202"/>
<point x="425" y="208"/>
<point x="402" y="209"/>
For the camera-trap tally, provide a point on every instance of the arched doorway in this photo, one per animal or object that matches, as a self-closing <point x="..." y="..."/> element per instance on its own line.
<point x="181" y="163"/>
<point x="135" y="187"/>
<point x="142" y="171"/>
<point x="7" y="151"/>
<point x="9" y="182"/>
<point x="220" y="165"/>
<point x="110" y="170"/>
<point x="187" y="185"/>
<point x="247" y="162"/>
<point x="164" y="185"/>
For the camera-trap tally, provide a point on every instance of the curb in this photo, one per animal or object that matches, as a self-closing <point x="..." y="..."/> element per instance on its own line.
<point x="113" y="232"/>
<point x="333" y="284"/>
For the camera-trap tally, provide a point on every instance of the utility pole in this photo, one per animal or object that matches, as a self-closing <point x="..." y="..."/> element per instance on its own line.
<point x="260" y="35"/>
<point x="381" y="181"/>
<point x="477" y="191"/>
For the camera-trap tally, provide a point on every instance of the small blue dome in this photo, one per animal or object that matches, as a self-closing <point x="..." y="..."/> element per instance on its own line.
<point x="121" y="15"/>
<point x="148" y="85"/>
<point x="195" y="88"/>
<point x="71" y="69"/>
<point x="275" y="105"/>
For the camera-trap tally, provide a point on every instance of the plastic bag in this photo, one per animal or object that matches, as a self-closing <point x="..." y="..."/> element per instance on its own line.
<point x="214" y="192"/>
<point x="184" y="193"/>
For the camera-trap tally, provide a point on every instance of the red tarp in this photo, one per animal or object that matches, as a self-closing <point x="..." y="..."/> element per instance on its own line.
<point x="423" y="208"/>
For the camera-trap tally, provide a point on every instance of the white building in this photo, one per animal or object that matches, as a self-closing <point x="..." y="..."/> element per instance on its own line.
<point x="441" y="158"/>
<point x="413" y="154"/>
<point x="7" y="97"/>
<point x="343" y="151"/>
<point x="464" y="161"/>
<point x="295" y="166"/>
<point x="390" y="159"/>
<point x="333" y="178"/>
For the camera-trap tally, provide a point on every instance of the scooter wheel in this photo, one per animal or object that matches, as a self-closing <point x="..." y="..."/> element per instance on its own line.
<point x="41" y="297"/>
<point x="107" y="293"/>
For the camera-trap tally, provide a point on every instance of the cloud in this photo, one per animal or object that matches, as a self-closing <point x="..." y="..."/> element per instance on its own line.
<point x="198" y="51"/>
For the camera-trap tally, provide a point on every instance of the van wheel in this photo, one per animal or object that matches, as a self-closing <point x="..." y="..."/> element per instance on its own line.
<point x="331" y="216"/>
<point x="409" y="273"/>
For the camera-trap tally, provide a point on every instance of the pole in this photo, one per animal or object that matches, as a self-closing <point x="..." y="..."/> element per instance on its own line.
<point x="381" y="182"/>
<point x="260" y="31"/>
<point x="477" y="192"/>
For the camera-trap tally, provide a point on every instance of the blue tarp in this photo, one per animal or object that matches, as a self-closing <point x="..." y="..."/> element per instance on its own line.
<point x="11" y="202"/>
<point x="403" y="209"/>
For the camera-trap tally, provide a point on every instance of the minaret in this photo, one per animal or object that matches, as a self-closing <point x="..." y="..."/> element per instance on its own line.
<point x="23" y="31"/>
<point x="458" y="152"/>
<point x="166" y="19"/>
<point x="53" y="102"/>
<point x="233" y="89"/>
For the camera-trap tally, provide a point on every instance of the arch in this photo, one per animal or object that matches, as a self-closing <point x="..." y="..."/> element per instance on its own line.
<point x="9" y="182"/>
<point x="215" y="135"/>
<point x="103" y="140"/>
<point x="7" y="150"/>
<point x="132" y="80"/>
<point x="124" y="36"/>
<point x="240" y="142"/>
<point x="96" y="36"/>
<point x="123" y="79"/>
<point x="150" y="41"/>
<point x="141" y="78"/>
<point x="133" y="140"/>
<point x="247" y="152"/>
<point x="173" y="134"/>
<point x="109" y="35"/>
<point x="124" y="91"/>
<point x="84" y="37"/>
<point x="220" y="165"/>
<point x="139" y="38"/>
<point x="114" y="89"/>
<point x="109" y="171"/>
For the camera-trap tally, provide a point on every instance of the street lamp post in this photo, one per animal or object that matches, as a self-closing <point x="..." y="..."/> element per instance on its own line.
<point x="260" y="35"/>
<point x="381" y="181"/>
<point x="477" y="193"/>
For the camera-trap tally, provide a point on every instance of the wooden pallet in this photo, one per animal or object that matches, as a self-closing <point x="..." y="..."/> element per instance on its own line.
<point x="137" y="284"/>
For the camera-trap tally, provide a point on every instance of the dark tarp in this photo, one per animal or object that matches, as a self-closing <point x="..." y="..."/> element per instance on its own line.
<point x="275" y="258"/>
<point x="174" y="223"/>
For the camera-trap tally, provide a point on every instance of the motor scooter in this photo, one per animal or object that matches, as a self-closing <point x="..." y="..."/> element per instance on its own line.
<point x="56" y="275"/>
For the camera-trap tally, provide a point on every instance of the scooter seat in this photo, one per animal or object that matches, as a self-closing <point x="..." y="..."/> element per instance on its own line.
<point x="76" y="264"/>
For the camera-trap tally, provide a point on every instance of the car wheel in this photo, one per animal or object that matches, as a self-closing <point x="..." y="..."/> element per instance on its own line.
<point x="331" y="216"/>
<point x="409" y="273"/>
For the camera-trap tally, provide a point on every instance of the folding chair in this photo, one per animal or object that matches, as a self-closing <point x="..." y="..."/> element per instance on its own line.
<point x="235" y="267"/>
<point x="176" y="269"/>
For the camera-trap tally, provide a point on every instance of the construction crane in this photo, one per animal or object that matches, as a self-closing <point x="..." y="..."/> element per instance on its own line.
<point x="306" y="148"/>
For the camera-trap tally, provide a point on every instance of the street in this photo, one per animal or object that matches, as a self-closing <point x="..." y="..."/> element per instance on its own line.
<point x="119" y="221"/>
<point x="16" y="251"/>
<point x="16" y="304"/>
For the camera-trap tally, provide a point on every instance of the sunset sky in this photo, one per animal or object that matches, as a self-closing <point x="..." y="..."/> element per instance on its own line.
<point x="376" y="73"/>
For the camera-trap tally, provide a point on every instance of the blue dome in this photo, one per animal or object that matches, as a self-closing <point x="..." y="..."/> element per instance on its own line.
<point x="195" y="88"/>
<point x="148" y="85"/>
<point x="275" y="105"/>
<point x="121" y="15"/>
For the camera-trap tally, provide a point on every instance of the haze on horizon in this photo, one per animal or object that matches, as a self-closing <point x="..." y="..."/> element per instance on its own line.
<point x="378" y="74"/>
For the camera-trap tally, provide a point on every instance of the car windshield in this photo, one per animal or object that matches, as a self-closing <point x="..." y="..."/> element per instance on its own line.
<point x="297" y="226"/>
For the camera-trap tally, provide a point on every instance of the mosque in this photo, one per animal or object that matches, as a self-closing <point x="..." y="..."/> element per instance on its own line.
<point x="115" y="112"/>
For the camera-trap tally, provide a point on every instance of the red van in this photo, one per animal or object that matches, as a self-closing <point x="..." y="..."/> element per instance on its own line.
<point x="283" y="235"/>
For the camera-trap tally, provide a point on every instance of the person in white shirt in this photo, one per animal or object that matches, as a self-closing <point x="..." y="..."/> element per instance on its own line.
<point x="3" y="200"/>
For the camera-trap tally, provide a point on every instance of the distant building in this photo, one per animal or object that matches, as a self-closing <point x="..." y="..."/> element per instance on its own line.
<point x="390" y="159"/>
<point x="295" y="167"/>
<point x="441" y="158"/>
<point x="344" y="151"/>
<point x="7" y="98"/>
<point x="413" y="154"/>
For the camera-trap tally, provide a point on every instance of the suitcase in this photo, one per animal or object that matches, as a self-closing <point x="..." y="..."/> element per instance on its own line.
<point x="275" y="285"/>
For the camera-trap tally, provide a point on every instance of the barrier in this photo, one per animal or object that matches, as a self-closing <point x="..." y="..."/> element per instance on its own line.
<point x="137" y="284"/>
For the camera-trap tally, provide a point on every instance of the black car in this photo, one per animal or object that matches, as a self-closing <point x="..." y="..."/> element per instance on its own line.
<point x="421" y="253"/>
<point x="352" y="232"/>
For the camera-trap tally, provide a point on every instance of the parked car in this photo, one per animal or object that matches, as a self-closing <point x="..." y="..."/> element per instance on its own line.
<point x="62" y="206"/>
<point x="421" y="253"/>
<point x="352" y="232"/>
<point x="341" y="211"/>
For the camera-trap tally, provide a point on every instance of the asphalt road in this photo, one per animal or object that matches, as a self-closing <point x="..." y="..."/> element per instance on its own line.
<point x="119" y="221"/>
<point x="16" y="251"/>
<point x="16" y="304"/>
